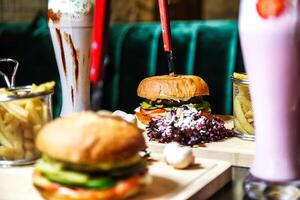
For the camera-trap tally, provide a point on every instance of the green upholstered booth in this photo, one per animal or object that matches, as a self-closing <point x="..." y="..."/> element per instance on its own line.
<point x="209" y="49"/>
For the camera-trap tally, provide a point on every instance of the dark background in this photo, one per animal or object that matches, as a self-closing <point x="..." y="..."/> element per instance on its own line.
<point x="131" y="10"/>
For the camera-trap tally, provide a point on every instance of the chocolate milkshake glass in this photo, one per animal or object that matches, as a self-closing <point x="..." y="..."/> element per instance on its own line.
<point x="269" y="31"/>
<point x="70" y="23"/>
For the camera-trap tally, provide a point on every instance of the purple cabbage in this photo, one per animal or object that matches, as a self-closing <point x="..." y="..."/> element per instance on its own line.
<point x="187" y="126"/>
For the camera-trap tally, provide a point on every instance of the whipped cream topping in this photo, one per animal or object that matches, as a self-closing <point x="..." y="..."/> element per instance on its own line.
<point x="73" y="7"/>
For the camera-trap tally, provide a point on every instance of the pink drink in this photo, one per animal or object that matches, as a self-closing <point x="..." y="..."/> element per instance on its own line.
<point x="70" y="23"/>
<point x="271" y="53"/>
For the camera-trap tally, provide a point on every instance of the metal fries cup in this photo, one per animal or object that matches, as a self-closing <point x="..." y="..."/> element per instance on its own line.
<point x="242" y="109"/>
<point x="23" y="112"/>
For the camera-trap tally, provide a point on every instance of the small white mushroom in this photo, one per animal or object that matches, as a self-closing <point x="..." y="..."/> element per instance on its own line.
<point x="178" y="156"/>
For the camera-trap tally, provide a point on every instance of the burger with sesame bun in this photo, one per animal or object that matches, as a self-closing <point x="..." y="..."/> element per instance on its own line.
<point x="90" y="156"/>
<point x="166" y="93"/>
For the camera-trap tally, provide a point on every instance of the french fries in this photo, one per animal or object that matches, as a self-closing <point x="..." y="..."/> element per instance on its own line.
<point x="242" y="108"/>
<point x="20" y="122"/>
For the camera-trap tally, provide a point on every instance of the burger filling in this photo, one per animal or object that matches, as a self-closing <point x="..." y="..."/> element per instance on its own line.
<point x="123" y="188"/>
<point x="88" y="176"/>
<point x="160" y="107"/>
<point x="169" y="104"/>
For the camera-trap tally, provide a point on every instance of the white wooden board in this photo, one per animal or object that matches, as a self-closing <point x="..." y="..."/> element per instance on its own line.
<point x="234" y="150"/>
<point x="237" y="151"/>
<point x="200" y="181"/>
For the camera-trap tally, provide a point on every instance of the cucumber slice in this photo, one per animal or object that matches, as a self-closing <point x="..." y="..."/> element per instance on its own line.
<point x="59" y="180"/>
<point x="45" y="167"/>
<point x="147" y="106"/>
<point x="159" y="106"/>
<point x="100" y="183"/>
<point x="55" y="172"/>
<point x="96" y="183"/>
<point x="69" y="177"/>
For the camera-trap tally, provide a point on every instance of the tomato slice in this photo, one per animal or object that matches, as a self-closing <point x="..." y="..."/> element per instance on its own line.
<point x="206" y="113"/>
<point x="143" y="118"/>
<point x="149" y="112"/>
<point x="124" y="186"/>
<point x="145" y="115"/>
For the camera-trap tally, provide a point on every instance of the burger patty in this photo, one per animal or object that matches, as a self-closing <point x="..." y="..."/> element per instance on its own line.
<point x="169" y="102"/>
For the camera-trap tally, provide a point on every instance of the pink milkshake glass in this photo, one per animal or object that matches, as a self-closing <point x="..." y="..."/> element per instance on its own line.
<point x="269" y="31"/>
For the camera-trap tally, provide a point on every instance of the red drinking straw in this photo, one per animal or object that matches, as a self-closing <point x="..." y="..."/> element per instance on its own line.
<point x="101" y="21"/>
<point x="165" y="25"/>
<point x="166" y="33"/>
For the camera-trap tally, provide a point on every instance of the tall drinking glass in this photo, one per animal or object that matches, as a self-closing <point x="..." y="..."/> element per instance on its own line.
<point x="70" y="23"/>
<point x="269" y="31"/>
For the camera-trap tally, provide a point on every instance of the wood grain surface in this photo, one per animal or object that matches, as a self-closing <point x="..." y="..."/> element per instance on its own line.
<point x="200" y="181"/>
<point x="237" y="151"/>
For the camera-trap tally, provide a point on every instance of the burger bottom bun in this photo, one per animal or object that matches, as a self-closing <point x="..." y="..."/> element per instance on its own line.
<point x="56" y="195"/>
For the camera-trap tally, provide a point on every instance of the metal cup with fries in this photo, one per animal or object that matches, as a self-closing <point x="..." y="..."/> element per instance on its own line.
<point x="242" y="107"/>
<point x="23" y="111"/>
